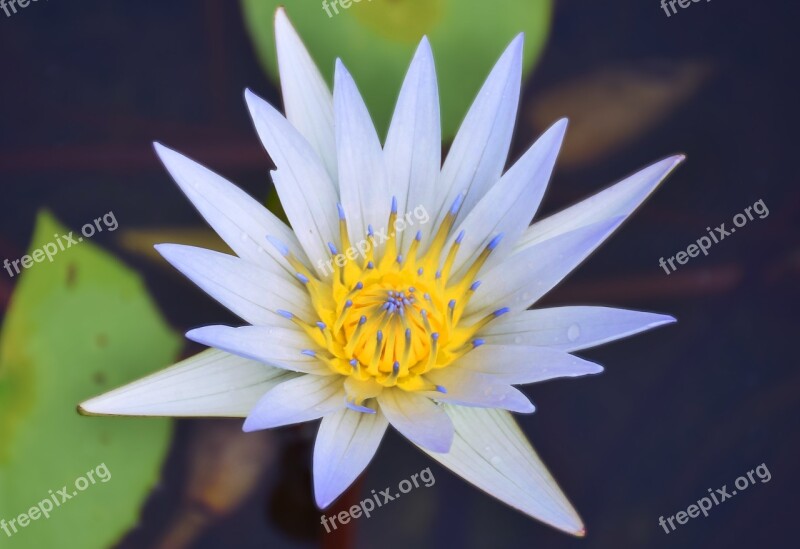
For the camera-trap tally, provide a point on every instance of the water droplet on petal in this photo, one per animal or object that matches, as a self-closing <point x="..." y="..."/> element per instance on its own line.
<point x="518" y="339"/>
<point x="496" y="461"/>
<point x="573" y="332"/>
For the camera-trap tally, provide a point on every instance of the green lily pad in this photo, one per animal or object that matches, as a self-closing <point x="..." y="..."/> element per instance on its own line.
<point x="77" y="326"/>
<point x="377" y="38"/>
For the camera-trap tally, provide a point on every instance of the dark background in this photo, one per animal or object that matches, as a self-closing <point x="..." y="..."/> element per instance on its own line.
<point x="86" y="86"/>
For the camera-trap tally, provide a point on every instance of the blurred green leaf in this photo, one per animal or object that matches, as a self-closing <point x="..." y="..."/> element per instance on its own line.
<point x="77" y="326"/>
<point x="377" y="38"/>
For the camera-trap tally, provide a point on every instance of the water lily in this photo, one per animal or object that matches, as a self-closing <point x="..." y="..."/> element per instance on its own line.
<point x="357" y="322"/>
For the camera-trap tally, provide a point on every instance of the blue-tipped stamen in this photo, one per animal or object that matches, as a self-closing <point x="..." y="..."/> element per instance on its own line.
<point x="478" y="342"/>
<point x="308" y="352"/>
<point x="475" y="285"/>
<point x="302" y="278"/>
<point x="501" y="312"/>
<point x="353" y="406"/>
<point x="441" y="389"/>
<point x="332" y="249"/>
<point x="341" y="210"/>
<point x="285" y="314"/>
<point x="282" y="248"/>
<point x="495" y="241"/>
<point x="460" y="237"/>
<point x="456" y="204"/>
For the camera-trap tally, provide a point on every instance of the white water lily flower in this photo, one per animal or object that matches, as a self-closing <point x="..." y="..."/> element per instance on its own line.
<point x="425" y="328"/>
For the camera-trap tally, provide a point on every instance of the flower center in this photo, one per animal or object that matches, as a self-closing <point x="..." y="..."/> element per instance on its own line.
<point x="387" y="319"/>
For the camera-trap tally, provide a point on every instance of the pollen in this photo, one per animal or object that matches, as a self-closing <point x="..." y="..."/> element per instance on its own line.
<point x="387" y="319"/>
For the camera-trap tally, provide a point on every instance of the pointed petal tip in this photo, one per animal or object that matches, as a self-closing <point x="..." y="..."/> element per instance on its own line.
<point x="253" y="100"/>
<point x="673" y="161"/>
<point x="90" y="408"/>
<point x="197" y="335"/>
<point x="324" y="496"/>
<point x="323" y="501"/>
<point x="165" y="154"/>
<point x="664" y="320"/>
<point x="83" y="411"/>
<point x="165" y="248"/>
<point x="424" y="45"/>
<point x="559" y="129"/>
<point x="526" y="408"/>
<point x="249" y="426"/>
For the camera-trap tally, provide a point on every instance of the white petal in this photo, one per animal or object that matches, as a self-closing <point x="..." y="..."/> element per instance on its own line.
<point x="570" y="329"/>
<point x="210" y="384"/>
<point x="363" y="184"/>
<point x="528" y="274"/>
<point x="510" y="205"/>
<point x="295" y="401"/>
<point x="278" y="347"/>
<point x="480" y="149"/>
<point x="307" y="194"/>
<point x="346" y="442"/>
<point x="521" y="364"/>
<point x="249" y="291"/>
<point x="417" y="418"/>
<point x="618" y="200"/>
<point x="413" y="150"/>
<point x="475" y="389"/>
<point x="241" y="221"/>
<point x="491" y="452"/>
<point x="306" y="97"/>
